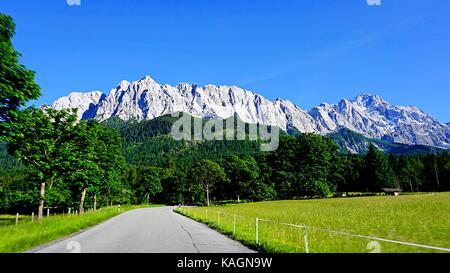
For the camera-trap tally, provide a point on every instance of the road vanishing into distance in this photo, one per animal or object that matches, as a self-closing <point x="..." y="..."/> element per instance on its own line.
<point x="147" y="230"/>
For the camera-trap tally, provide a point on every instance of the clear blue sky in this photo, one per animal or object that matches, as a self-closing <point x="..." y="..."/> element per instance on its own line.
<point x="306" y="51"/>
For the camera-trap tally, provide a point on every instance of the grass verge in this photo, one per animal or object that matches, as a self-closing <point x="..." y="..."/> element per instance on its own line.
<point x="419" y="219"/>
<point x="27" y="235"/>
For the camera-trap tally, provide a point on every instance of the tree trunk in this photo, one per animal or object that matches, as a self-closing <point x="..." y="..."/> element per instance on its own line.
<point x="41" y="202"/>
<point x="95" y="202"/>
<point x="207" y="196"/>
<point x="239" y="200"/>
<point x="148" y="198"/>
<point x="83" y="195"/>
<point x="437" y="176"/>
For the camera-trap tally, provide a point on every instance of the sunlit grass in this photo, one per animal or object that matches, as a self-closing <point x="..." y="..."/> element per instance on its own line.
<point x="420" y="219"/>
<point x="29" y="234"/>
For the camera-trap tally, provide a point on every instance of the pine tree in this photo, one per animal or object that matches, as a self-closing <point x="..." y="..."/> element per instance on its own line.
<point x="378" y="173"/>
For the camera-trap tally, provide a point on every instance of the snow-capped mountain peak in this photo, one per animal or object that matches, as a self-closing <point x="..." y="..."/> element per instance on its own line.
<point x="370" y="100"/>
<point x="367" y="114"/>
<point x="86" y="103"/>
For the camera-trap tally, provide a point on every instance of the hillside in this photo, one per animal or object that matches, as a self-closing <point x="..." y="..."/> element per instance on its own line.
<point x="150" y="140"/>
<point x="150" y="143"/>
<point x="351" y="142"/>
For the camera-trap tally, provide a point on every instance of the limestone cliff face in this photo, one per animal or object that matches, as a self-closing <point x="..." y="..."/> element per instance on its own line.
<point x="366" y="114"/>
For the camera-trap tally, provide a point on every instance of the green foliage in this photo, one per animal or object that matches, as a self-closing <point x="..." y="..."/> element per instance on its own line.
<point x="139" y="162"/>
<point x="303" y="166"/>
<point x="17" y="84"/>
<point x="208" y="174"/>
<point x="378" y="172"/>
<point x="42" y="145"/>
<point x="11" y="169"/>
<point x="69" y="157"/>
<point x="96" y="160"/>
<point x="146" y="183"/>
<point x="243" y="173"/>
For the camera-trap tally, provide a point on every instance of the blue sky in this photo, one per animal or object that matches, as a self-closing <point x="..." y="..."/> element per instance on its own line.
<point x="306" y="51"/>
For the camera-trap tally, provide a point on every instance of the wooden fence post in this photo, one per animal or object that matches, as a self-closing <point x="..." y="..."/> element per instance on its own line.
<point x="256" y="232"/>
<point x="305" y="236"/>
<point x="234" y="224"/>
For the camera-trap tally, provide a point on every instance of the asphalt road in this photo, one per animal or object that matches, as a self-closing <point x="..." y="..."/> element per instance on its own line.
<point x="148" y="230"/>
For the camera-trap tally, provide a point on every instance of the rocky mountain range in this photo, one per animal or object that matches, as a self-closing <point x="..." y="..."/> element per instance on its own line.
<point x="366" y="114"/>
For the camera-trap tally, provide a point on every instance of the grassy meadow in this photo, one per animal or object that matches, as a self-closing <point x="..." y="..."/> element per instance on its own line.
<point x="29" y="234"/>
<point x="419" y="219"/>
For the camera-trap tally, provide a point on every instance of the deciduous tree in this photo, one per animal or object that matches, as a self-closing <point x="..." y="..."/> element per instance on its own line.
<point x="17" y="85"/>
<point x="44" y="145"/>
<point x="207" y="173"/>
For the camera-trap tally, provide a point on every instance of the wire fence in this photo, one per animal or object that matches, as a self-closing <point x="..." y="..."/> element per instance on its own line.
<point x="276" y="235"/>
<point x="6" y="220"/>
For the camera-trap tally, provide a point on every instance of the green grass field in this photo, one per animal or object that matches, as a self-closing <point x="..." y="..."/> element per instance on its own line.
<point x="420" y="219"/>
<point x="29" y="234"/>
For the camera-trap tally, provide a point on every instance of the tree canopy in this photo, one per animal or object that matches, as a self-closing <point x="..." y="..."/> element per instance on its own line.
<point x="17" y="85"/>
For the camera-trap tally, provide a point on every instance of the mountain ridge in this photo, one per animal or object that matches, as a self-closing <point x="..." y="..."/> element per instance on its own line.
<point x="366" y="114"/>
<point x="354" y="143"/>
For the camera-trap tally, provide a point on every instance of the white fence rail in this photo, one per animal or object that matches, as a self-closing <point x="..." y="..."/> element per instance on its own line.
<point x="305" y="230"/>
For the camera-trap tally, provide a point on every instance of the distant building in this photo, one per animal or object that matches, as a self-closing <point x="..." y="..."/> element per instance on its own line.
<point x="392" y="191"/>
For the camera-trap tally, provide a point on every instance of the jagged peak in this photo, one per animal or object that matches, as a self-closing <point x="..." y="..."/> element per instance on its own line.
<point x="233" y="88"/>
<point x="147" y="79"/>
<point x="367" y="96"/>
<point x="368" y="99"/>
<point x="325" y="105"/>
<point x="184" y="85"/>
<point x="123" y="85"/>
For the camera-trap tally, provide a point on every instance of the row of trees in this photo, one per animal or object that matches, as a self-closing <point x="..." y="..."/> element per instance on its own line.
<point x="90" y="164"/>
<point x="306" y="166"/>
<point x="76" y="157"/>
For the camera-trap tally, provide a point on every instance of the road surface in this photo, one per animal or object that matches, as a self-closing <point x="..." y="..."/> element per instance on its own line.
<point x="147" y="230"/>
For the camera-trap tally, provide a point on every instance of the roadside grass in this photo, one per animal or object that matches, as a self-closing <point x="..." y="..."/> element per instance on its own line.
<point x="420" y="219"/>
<point x="27" y="235"/>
